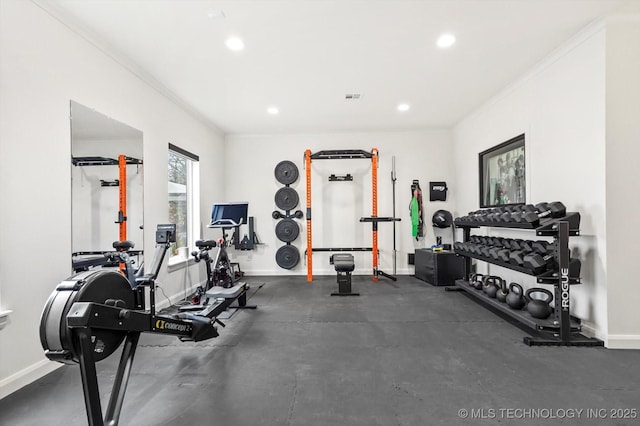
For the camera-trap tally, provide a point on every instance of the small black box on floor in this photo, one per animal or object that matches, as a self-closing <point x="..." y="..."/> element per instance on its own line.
<point x="438" y="267"/>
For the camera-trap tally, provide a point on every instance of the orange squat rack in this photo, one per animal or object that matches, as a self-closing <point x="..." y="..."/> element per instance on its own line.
<point x="374" y="219"/>
<point x="122" y="189"/>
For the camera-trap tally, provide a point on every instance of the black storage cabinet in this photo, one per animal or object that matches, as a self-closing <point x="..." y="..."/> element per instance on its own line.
<point x="438" y="267"/>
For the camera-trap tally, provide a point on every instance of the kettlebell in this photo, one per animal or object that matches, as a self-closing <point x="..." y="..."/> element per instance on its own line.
<point x="539" y="308"/>
<point x="476" y="281"/>
<point x="503" y="291"/>
<point x="515" y="299"/>
<point x="490" y="287"/>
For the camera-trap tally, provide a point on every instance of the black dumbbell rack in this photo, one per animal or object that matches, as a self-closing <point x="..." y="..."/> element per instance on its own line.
<point x="561" y="329"/>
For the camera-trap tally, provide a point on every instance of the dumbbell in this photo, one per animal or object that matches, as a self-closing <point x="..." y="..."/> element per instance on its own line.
<point x="467" y="247"/>
<point x="484" y="251"/>
<point x="506" y="242"/>
<point x="495" y="241"/>
<point x="478" y="216"/>
<point x="502" y="241"/>
<point x="515" y="244"/>
<point x="516" y="216"/>
<point x="503" y="255"/>
<point x="517" y="257"/>
<point x="475" y="248"/>
<point x="539" y="263"/>
<point x="493" y="252"/>
<point x="544" y="210"/>
<point x="542" y="247"/>
<point x="491" y="217"/>
<point x="496" y="216"/>
<point x="506" y="215"/>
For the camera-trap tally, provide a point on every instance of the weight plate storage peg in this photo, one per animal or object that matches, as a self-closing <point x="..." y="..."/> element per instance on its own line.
<point x="286" y="198"/>
<point x="287" y="257"/>
<point x="287" y="230"/>
<point x="286" y="172"/>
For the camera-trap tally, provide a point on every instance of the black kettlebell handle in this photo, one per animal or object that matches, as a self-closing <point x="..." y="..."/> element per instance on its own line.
<point x="518" y="286"/>
<point x="493" y="279"/>
<point x="539" y="290"/>
<point x="475" y="277"/>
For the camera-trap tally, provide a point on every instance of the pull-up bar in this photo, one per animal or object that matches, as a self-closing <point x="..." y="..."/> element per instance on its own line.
<point x="338" y="155"/>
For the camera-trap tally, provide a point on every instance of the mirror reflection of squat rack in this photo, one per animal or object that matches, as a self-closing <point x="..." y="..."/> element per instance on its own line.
<point x="287" y="229"/>
<point x="106" y="187"/>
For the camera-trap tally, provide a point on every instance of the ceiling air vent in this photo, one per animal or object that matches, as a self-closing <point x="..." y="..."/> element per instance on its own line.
<point x="353" y="96"/>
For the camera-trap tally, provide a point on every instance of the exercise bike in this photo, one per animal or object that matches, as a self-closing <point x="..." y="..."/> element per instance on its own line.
<point x="219" y="268"/>
<point x="90" y="314"/>
<point x="221" y="283"/>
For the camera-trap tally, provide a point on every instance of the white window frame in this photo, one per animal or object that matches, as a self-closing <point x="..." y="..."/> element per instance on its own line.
<point x="193" y="204"/>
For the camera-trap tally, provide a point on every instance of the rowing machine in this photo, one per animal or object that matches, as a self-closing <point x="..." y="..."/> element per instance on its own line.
<point x="90" y="314"/>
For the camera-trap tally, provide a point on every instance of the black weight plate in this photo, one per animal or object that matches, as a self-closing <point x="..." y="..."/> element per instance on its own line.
<point x="287" y="230"/>
<point x="286" y="198"/>
<point x="286" y="172"/>
<point x="287" y="256"/>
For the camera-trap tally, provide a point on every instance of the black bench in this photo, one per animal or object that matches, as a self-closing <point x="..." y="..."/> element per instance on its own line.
<point x="344" y="266"/>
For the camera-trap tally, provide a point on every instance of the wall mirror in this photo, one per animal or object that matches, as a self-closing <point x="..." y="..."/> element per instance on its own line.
<point x="106" y="185"/>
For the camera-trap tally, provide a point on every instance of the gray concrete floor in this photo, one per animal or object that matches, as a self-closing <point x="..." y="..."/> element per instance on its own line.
<point x="403" y="353"/>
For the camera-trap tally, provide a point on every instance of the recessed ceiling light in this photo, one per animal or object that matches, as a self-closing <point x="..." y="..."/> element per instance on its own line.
<point x="273" y="110"/>
<point x="446" y="40"/>
<point x="235" y="43"/>
<point x="403" y="107"/>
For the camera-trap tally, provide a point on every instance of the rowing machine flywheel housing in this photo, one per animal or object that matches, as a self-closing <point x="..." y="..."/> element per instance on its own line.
<point x="88" y="286"/>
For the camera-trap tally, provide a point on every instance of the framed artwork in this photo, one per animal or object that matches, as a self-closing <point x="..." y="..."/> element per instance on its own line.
<point x="502" y="174"/>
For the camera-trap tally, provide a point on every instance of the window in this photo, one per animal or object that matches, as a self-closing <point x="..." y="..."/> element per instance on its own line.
<point x="184" y="201"/>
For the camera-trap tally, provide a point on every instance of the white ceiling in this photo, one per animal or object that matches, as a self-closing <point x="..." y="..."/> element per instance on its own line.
<point x="305" y="55"/>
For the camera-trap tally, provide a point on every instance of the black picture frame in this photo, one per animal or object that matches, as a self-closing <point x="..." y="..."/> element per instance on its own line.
<point x="502" y="174"/>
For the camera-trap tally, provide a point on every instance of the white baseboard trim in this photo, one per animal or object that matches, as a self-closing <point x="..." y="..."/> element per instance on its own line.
<point x="25" y="376"/>
<point x="590" y="330"/>
<point x="320" y="272"/>
<point x="41" y="368"/>
<point x="623" y="341"/>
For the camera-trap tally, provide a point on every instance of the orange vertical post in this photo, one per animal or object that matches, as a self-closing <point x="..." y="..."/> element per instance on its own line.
<point x="122" y="187"/>
<point x="122" y="193"/>
<point x="307" y="165"/>
<point x="374" y="209"/>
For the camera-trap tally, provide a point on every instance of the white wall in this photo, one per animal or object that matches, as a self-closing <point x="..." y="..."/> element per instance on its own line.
<point x="43" y="65"/>
<point x="622" y="153"/>
<point x="338" y="206"/>
<point x="560" y="106"/>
